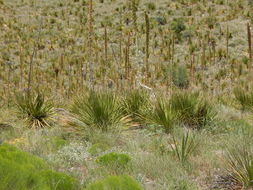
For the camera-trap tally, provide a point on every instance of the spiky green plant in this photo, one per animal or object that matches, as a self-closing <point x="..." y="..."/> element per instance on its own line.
<point x="193" y="110"/>
<point x="245" y="98"/>
<point x="185" y="147"/>
<point x="162" y="114"/>
<point x="240" y="164"/>
<point x="35" y="109"/>
<point x="134" y="103"/>
<point x="100" y="110"/>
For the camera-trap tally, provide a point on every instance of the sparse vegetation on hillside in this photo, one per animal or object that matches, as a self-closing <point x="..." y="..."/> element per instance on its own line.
<point x="126" y="94"/>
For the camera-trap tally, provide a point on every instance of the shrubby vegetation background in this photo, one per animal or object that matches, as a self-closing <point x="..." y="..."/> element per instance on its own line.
<point x="126" y="94"/>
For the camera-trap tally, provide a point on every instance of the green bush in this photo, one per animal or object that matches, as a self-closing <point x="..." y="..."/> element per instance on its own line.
<point x="100" y="110"/>
<point x="114" y="160"/>
<point x="192" y="109"/>
<point x="56" y="180"/>
<point x="180" y="77"/>
<point x="98" y="148"/>
<point x="115" y="183"/>
<point x="161" y="20"/>
<point x="178" y="26"/>
<point x="20" y="170"/>
<point x="35" y="110"/>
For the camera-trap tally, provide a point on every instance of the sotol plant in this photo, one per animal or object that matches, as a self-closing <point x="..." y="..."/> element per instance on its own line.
<point x="192" y="109"/>
<point x="134" y="103"/>
<point x="100" y="110"/>
<point x="240" y="165"/>
<point x="35" y="109"/>
<point x="185" y="147"/>
<point x="244" y="98"/>
<point x="162" y="114"/>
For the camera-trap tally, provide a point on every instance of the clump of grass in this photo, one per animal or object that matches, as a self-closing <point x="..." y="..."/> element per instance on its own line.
<point x="185" y="147"/>
<point x="100" y="110"/>
<point x="36" y="110"/>
<point x="20" y="170"/>
<point x="193" y="110"/>
<point x="114" y="159"/>
<point x="162" y="115"/>
<point x="244" y="98"/>
<point x="134" y="103"/>
<point x="240" y="165"/>
<point x="115" y="183"/>
<point x="97" y="148"/>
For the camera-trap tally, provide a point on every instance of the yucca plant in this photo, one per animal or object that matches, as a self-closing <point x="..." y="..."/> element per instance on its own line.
<point x="35" y="109"/>
<point x="134" y="103"/>
<point x="185" y="147"/>
<point x="240" y="165"/>
<point x="100" y="110"/>
<point x="162" y="114"/>
<point x="244" y="98"/>
<point x="192" y="109"/>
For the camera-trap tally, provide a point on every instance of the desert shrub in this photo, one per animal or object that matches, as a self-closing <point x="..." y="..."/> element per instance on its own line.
<point x="151" y="6"/>
<point x="115" y="183"/>
<point x="113" y="159"/>
<point x="98" y="148"/>
<point x="100" y="110"/>
<point x="250" y="3"/>
<point x="192" y="109"/>
<point x="240" y="164"/>
<point x="56" y="180"/>
<point x="35" y="109"/>
<point x="69" y="155"/>
<point x="245" y="98"/>
<point x="20" y="170"/>
<point x="211" y="21"/>
<point x="134" y="104"/>
<point x="178" y="26"/>
<point x="162" y="115"/>
<point x="180" y="76"/>
<point x="161" y="20"/>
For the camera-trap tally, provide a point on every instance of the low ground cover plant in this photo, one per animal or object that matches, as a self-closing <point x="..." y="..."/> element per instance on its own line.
<point x="113" y="159"/>
<point x="20" y="170"/>
<point x="115" y="183"/>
